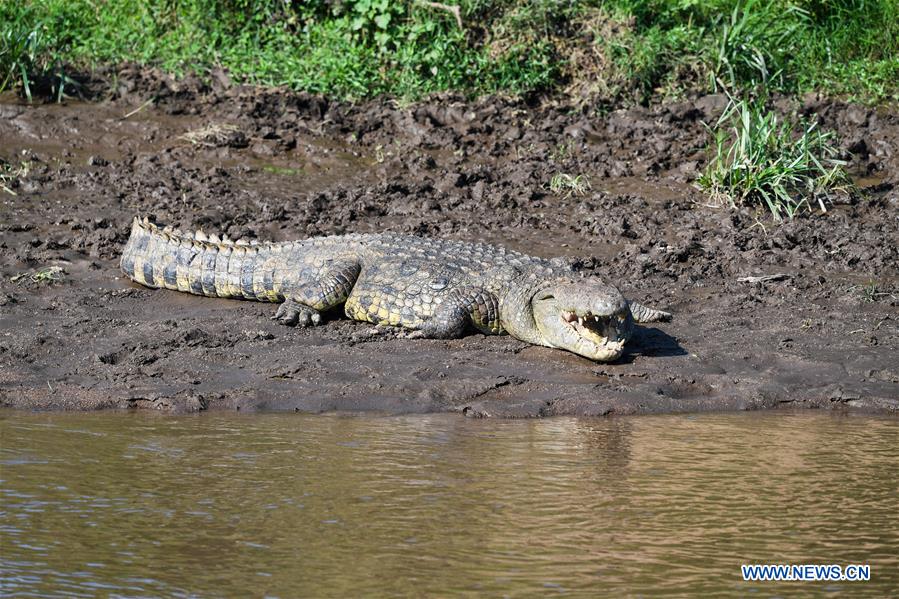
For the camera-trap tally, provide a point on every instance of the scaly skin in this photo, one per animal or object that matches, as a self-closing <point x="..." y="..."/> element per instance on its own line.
<point x="438" y="288"/>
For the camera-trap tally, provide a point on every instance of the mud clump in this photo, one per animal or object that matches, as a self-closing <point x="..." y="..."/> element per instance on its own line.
<point x="799" y="314"/>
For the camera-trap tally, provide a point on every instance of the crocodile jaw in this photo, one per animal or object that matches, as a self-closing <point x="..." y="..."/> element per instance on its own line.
<point x="591" y="320"/>
<point x="602" y="336"/>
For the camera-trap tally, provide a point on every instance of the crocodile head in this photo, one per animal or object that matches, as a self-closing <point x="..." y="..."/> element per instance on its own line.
<point x="587" y="317"/>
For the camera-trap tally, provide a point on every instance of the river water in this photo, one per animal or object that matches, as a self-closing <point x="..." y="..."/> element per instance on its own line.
<point x="289" y="505"/>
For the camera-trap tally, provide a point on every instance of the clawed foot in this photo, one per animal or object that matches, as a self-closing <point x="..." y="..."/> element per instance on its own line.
<point x="642" y="314"/>
<point x="292" y="313"/>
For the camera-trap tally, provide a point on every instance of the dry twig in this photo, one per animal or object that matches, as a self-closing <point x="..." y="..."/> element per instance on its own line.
<point x="450" y="8"/>
<point x="765" y="278"/>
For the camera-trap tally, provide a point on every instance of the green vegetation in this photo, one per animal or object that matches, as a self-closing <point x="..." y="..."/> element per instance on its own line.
<point x="872" y="291"/>
<point x="30" y="51"/>
<point x="47" y="274"/>
<point x="569" y="185"/>
<point x="12" y="174"/>
<point x="759" y="159"/>
<point x="612" y="51"/>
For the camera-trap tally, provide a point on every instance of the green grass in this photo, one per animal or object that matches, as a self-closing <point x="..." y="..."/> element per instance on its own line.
<point x="47" y="274"/>
<point x="873" y="291"/>
<point x="760" y="159"/>
<point x="352" y="49"/>
<point x="611" y="51"/>
<point x="22" y="42"/>
<point x="32" y="50"/>
<point x="569" y="185"/>
<point x="844" y="47"/>
<point x="11" y="175"/>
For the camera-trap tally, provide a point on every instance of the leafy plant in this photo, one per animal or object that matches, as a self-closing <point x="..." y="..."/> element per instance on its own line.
<point x="374" y="18"/>
<point x="47" y="274"/>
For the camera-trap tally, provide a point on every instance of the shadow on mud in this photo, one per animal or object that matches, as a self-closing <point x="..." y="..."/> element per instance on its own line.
<point x="650" y="341"/>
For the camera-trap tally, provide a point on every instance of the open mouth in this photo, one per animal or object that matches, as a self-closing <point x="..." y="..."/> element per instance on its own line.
<point x="601" y="330"/>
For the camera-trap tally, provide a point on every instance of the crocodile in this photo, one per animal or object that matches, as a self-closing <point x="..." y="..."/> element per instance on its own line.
<point x="436" y="288"/>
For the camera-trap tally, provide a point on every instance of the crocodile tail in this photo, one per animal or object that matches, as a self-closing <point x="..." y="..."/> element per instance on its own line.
<point x="198" y="264"/>
<point x="643" y="314"/>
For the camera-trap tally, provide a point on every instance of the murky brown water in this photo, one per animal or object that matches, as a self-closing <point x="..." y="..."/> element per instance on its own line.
<point x="291" y="505"/>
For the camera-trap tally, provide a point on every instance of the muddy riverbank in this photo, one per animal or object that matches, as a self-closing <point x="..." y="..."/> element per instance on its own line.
<point x="823" y="332"/>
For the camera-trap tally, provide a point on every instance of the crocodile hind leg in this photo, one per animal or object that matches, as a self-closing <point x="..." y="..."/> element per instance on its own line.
<point x="643" y="314"/>
<point x="317" y="290"/>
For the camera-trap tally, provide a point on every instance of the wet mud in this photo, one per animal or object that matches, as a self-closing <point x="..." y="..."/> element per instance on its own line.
<point x="767" y="315"/>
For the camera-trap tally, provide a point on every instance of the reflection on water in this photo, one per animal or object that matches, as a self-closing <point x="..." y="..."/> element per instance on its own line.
<point x="294" y="505"/>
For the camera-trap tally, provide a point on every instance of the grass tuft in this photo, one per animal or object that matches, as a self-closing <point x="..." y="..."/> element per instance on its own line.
<point x="47" y="274"/>
<point x="569" y="185"/>
<point x="752" y="48"/>
<point x="21" y="43"/>
<point x="32" y="51"/>
<point x="786" y="165"/>
<point x="11" y="175"/>
<point x="873" y="292"/>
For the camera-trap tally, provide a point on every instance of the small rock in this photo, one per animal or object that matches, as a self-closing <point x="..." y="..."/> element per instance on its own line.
<point x="513" y="133"/>
<point x="857" y="115"/>
<point x="477" y="191"/>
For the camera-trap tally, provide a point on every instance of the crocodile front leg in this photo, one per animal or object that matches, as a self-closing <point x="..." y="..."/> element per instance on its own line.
<point x="461" y="310"/>
<point x="317" y="290"/>
<point x="293" y="313"/>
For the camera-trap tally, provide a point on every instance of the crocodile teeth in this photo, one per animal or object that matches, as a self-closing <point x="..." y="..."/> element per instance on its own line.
<point x="200" y="235"/>
<point x="213" y="238"/>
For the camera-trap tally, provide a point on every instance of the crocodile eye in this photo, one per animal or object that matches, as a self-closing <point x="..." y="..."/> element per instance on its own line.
<point x="546" y="297"/>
